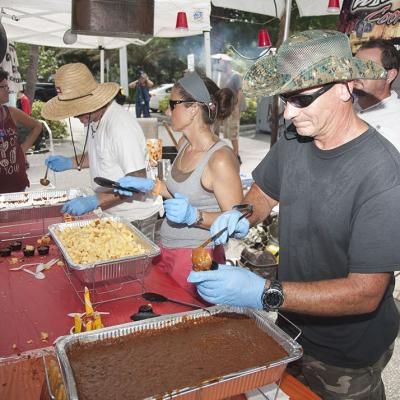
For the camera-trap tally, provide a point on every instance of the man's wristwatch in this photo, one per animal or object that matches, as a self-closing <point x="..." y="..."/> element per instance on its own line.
<point x="272" y="297"/>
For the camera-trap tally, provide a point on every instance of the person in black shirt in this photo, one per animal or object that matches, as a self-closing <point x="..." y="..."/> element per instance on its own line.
<point x="339" y="220"/>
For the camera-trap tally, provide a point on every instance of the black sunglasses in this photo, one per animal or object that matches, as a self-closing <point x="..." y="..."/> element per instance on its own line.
<point x="173" y="103"/>
<point x="304" y="100"/>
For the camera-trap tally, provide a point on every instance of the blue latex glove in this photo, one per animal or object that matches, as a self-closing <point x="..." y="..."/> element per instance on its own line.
<point x="179" y="210"/>
<point x="230" y="219"/>
<point x="59" y="163"/>
<point x="142" y="184"/>
<point x="229" y="285"/>
<point x="80" y="205"/>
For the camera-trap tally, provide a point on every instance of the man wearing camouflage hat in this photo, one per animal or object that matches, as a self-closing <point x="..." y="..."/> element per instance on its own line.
<point x="337" y="181"/>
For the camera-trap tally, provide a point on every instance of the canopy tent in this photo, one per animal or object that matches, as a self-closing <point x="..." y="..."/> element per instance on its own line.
<point x="45" y="22"/>
<point x="276" y="8"/>
<point x="307" y="8"/>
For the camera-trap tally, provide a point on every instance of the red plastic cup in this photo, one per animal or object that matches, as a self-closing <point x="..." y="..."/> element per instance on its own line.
<point x="333" y="6"/>
<point x="263" y="38"/>
<point x="181" y="20"/>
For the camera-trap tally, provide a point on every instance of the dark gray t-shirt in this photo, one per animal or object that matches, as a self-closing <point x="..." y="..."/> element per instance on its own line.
<point x="339" y="212"/>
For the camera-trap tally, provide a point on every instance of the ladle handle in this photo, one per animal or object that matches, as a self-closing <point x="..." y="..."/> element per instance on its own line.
<point x="183" y="303"/>
<point x="47" y="171"/>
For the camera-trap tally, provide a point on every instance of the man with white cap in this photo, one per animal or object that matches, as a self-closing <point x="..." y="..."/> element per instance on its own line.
<point x="336" y="181"/>
<point x="115" y="145"/>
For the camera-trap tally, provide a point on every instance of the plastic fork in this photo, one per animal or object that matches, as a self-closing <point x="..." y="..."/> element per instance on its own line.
<point x="22" y="267"/>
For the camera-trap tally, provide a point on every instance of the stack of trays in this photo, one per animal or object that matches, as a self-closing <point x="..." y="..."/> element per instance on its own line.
<point x="22" y="206"/>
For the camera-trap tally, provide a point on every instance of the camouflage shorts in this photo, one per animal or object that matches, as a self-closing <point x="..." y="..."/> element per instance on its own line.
<point x="335" y="383"/>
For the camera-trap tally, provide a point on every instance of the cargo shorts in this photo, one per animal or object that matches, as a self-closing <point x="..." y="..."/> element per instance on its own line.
<point x="336" y="383"/>
<point x="231" y="126"/>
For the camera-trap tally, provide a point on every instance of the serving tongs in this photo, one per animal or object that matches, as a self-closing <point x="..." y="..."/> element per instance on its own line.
<point x="201" y="258"/>
<point x="108" y="183"/>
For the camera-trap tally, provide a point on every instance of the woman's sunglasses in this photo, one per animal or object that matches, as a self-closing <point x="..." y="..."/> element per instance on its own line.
<point x="304" y="100"/>
<point x="173" y="103"/>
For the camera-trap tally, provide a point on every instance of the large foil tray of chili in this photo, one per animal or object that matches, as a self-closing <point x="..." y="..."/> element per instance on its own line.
<point x="205" y="354"/>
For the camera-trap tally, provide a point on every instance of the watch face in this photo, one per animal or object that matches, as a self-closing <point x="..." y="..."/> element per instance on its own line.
<point x="273" y="298"/>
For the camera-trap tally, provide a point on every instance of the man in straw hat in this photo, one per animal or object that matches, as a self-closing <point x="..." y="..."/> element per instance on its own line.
<point x="336" y="182"/>
<point x="115" y="144"/>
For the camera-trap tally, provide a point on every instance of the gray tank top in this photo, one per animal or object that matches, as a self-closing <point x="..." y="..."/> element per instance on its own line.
<point x="181" y="235"/>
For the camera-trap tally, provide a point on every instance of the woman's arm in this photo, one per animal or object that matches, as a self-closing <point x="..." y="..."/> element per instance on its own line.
<point x="35" y="127"/>
<point x="222" y="177"/>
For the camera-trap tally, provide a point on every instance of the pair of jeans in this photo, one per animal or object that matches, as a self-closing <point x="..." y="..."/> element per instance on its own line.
<point x="142" y="107"/>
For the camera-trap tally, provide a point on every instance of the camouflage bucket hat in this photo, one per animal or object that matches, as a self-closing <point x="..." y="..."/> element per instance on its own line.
<point x="305" y="60"/>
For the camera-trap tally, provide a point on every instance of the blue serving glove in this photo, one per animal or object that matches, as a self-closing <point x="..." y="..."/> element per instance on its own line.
<point x="142" y="184"/>
<point x="230" y="219"/>
<point x="59" y="163"/>
<point x="179" y="210"/>
<point x="229" y="285"/>
<point x="80" y="205"/>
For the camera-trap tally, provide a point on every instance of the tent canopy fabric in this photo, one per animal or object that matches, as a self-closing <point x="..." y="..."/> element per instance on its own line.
<point x="307" y="8"/>
<point x="44" y="22"/>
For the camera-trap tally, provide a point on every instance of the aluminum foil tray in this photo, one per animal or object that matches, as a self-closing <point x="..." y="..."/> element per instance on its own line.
<point x="216" y="389"/>
<point x="132" y="267"/>
<point x="41" y="204"/>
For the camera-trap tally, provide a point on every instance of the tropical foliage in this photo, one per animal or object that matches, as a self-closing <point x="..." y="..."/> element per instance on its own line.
<point x="58" y="128"/>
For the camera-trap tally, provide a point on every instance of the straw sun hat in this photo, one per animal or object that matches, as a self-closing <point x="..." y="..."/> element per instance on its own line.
<point x="305" y="60"/>
<point x="78" y="93"/>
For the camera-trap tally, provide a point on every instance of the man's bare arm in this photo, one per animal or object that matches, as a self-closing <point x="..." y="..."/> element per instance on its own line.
<point x="355" y="294"/>
<point x="262" y="204"/>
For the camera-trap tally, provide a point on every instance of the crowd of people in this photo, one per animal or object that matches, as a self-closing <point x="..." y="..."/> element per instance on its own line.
<point x="335" y="177"/>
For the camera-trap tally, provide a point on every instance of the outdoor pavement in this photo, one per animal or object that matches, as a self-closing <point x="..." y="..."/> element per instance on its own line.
<point x="253" y="147"/>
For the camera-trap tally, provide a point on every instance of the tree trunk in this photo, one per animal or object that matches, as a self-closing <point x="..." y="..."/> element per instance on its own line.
<point x="31" y="75"/>
<point x="275" y="99"/>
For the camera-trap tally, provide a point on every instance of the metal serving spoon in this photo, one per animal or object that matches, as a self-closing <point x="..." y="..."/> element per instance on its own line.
<point x="44" y="181"/>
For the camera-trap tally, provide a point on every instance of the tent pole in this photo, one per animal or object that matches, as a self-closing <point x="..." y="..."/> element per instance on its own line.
<point x="101" y="64"/>
<point x="288" y="11"/>
<point x="207" y="53"/>
<point x="123" y="69"/>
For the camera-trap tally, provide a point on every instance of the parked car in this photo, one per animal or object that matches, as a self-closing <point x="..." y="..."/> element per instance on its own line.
<point x="158" y="94"/>
<point x="44" y="91"/>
